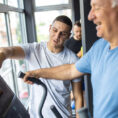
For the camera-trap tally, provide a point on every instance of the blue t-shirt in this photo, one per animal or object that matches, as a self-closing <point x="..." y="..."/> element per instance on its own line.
<point x="102" y="63"/>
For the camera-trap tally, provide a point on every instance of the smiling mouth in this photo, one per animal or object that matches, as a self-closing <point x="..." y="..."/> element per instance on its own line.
<point x="98" y="24"/>
<point x="55" y="41"/>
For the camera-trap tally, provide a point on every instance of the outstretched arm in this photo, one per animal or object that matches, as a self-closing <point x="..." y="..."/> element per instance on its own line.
<point x="14" y="52"/>
<point x="64" y="72"/>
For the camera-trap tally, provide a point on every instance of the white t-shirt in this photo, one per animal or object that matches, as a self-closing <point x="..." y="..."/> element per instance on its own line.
<point x="58" y="93"/>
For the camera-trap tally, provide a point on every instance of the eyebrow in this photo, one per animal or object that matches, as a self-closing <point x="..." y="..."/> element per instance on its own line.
<point x="95" y="4"/>
<point x="61" y="31"/>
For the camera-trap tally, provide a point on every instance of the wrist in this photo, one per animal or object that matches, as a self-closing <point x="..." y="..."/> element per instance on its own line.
<point x="6" y="52"/>
<point x="2" y="55"/>
<point x="35" y="73"/>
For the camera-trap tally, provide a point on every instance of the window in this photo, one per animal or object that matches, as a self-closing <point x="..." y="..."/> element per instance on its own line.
<point x="3" y="34"/>
<point x="44" y="19"/>
<point x="6" y="70"/>
<point x="12" y="33"/>
<point x="17" y="38"/>
<point x="50" y="2"/>
<point x="1" y="1"/>
<point x="13" y="3"/>
<point x="15" y="28"/>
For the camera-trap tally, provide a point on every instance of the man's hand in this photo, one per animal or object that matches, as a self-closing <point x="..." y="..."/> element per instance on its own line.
<point x="2" y="58"/>
<point x="33" y="74"/>
<point x="79" y="54"/>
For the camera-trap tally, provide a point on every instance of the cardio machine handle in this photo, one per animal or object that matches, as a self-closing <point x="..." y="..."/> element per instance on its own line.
<point x="32" y="79"/>
<point x="38" y="82"/>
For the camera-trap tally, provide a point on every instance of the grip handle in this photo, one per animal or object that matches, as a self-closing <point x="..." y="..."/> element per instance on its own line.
<point x="32" y="79"/>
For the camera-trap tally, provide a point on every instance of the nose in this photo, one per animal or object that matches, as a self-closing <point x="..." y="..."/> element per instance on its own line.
<point x="57" y="35"/>
<point x="91" y="15"/>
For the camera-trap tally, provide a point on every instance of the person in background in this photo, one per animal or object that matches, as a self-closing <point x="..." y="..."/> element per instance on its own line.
<point x="75" y="43"/>
<point x="46" y="55"/>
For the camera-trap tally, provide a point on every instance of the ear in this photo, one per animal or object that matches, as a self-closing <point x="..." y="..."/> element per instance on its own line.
<point x="50" y="27"/>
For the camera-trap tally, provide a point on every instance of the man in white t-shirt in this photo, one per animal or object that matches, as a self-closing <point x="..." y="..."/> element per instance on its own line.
<point x="46" y="55"/>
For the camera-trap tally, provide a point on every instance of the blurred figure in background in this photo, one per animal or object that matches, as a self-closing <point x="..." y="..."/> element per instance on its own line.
<point x="75" y="43"/>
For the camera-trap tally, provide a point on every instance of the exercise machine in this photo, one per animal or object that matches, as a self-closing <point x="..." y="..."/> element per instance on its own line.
<point x="10" y="105"/>
<point x="83" y="112"/>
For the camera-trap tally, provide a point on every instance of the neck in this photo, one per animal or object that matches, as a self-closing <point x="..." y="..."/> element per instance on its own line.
<point x="113" y="43"/>
<point x="112" y="36"/>
<point x="76" y="38"/>
<point x="54" y="49"/>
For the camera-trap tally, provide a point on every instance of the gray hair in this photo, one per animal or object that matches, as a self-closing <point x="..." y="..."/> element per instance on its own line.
<point x="114" y="3"/>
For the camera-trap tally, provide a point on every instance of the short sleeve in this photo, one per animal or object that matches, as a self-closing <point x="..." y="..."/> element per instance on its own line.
<point x="85" y="63"/>
<point x="28" y="49"/>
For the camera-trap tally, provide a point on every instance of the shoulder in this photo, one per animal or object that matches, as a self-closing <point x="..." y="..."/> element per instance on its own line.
<point x="100" y="42"/>
<point x="35" y="46"/>
<point x="40" y="45"/>
<point x="71" y="55"/>
<point x="67" y="42"/>
<point x="67" y="50"/>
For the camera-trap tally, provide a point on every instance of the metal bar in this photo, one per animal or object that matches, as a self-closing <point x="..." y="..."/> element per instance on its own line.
<point x="75" y="10"/>
<point x="30" y="21"/>
<point x="88" y="38"/>
<point x="53" y="7"/>
<point x="10" y="43"/>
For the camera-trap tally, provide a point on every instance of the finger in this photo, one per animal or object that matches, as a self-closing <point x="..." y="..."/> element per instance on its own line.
<point x="26" y="78"/>
<point x="29" y="82"/>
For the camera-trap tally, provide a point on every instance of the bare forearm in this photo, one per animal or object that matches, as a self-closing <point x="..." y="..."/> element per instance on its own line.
<point x="63" y="72"/>
<point x="12" y="52"/>
<point x="60" y="72"/>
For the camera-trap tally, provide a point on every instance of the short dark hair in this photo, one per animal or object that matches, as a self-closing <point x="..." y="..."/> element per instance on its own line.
<point x="78" y="23"/>
<point x="63" y="19"/>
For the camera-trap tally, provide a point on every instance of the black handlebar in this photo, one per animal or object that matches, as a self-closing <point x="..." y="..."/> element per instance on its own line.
<point x="32" y="79"/>
<point x="39" y="82"/>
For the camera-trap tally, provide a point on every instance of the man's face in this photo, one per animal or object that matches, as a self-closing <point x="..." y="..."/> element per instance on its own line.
<point x="77" y="32"/>
<point x="59" y="32"/>
<point x="104" y="16"/>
